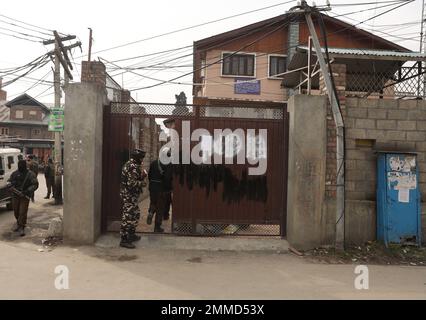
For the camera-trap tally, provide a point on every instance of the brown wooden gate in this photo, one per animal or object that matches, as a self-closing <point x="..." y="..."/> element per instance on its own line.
<point x="208" y="199"/>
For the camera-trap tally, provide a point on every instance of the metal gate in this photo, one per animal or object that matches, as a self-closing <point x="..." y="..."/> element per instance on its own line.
<point x="208" y="199"/>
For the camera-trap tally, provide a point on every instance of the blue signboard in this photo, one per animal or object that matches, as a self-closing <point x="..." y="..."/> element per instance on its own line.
<point x="247" y="86"/>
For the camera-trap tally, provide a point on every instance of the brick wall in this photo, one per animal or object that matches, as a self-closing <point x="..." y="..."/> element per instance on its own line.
<point x="3" y="94"/>
<point x="339" y="74"/>
<point x="28" y="112"/>
<point x="93" y="71"/>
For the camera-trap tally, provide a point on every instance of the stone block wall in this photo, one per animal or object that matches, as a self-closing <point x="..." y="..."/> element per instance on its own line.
<point x="389" y="125"/>
<point x="371" y="125"/>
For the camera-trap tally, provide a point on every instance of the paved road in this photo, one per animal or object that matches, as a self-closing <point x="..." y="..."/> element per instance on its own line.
<point x="146" y="273"/>
<point x="164" y="274"/>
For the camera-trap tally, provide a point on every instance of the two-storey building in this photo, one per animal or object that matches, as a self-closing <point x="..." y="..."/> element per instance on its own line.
<point x="24" y="124"/>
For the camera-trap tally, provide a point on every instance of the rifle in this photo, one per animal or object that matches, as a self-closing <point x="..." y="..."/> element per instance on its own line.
<point x="17" y="192"/>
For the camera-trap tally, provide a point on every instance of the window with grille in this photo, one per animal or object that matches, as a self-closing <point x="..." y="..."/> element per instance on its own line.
<point x="4" y="131"/>
<point x="241" y="64"/>
<point x="277" y="66"/>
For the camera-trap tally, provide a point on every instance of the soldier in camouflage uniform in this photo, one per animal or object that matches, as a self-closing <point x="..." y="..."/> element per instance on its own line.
<point x="132" y="181"/>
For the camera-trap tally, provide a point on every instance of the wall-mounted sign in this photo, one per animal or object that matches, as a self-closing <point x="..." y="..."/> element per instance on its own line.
<point x="247" y="86"/>
<point x="56" y="120"/>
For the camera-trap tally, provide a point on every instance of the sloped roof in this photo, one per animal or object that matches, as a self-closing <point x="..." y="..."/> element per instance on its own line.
<point x="26" y="100"/>
<point x="219" y="38"/>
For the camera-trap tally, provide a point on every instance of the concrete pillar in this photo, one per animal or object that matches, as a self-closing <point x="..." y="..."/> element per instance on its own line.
<point x="306" y="170"/>
<point x="83" y="162"/>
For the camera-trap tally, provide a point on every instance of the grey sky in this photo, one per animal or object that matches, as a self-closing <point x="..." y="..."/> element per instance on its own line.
<point x="118" y="22"/>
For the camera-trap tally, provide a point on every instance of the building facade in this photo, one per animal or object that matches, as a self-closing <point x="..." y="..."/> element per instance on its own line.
<point x="247" y="64"/>
<point x="24" y="124"/>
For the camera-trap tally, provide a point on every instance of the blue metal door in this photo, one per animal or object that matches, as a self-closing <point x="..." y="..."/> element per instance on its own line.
<point x="398" y="199"/>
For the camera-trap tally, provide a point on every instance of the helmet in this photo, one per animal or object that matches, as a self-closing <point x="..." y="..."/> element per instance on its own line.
<point x="138" y="154"/>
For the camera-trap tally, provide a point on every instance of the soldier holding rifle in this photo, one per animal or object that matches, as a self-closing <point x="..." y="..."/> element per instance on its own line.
<point x="22" y="184"/>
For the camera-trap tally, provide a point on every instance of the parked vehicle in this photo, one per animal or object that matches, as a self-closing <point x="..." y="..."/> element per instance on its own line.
<point x="8" y="163"/>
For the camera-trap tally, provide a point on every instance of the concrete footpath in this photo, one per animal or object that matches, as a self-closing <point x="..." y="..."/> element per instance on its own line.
<point x="159" y="269"/>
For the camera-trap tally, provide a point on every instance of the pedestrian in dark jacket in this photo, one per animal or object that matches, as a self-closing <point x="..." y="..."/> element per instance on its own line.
<point x="160" y="178"/>
<point x="23" y="183"/>
<point x="49" y="174"/>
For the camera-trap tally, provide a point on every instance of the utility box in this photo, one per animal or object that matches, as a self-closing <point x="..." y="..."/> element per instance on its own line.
<point x="398" y="199"/>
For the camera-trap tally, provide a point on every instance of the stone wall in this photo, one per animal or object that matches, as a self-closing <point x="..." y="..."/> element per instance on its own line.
<point x="390" y="125"/>
<point x="372" y="125"/>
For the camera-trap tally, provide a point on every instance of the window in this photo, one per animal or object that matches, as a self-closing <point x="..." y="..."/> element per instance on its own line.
<point x="238" y="65"/>
<point x="10" y="161"/>
<point x="4" y="131"/>
<point x="36" y="132"/>
<point x="277" y="65"/>
<point x="19" y="114"/>
<point x="33" y="113"/>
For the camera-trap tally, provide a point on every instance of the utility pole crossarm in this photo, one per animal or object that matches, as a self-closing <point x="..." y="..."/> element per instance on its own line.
<point x="47" y="42"/>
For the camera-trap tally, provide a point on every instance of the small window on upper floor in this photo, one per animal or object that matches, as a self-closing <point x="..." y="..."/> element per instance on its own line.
<point x="241" y="64"/>
<point x="4" y="131"/>
<point x="19" y="114"/>
<point x="277" y="66"/>
<point x="33" y="113"/>
<point x="36" y="132"/>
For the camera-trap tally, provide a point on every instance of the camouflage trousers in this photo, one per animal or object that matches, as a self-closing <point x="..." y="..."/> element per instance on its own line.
<point x="130" y="214"/>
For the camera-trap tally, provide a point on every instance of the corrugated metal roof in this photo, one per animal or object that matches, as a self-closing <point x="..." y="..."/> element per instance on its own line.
<point x="369" y="52"/>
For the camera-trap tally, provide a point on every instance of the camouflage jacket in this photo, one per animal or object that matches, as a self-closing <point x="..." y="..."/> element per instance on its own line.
<point x="132" y="178"/>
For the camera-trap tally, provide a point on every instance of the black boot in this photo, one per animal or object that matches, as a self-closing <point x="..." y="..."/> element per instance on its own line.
<point x="16" y="229"/>
<point x="158" y="229"/>
<point x="134" y="237"/>
<point x="47" y="197"/>
<point x="149" y="218"/>
<point x="21" y="231"/>
<point x="126" y="243"/>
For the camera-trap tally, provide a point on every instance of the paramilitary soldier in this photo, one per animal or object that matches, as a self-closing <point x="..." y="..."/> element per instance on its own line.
<point x="132" y="181"/>
<point x="22" y="183"/>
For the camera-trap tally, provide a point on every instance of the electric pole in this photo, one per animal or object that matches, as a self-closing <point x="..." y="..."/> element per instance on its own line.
<point x="338" y="120"/>
<point x="58" y="139"/>
<point x="60" y="54"/>
<point x="90" y="45"/>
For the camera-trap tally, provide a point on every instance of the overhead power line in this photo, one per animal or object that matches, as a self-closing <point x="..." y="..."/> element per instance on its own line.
<point x="18" y="37"/>
<point x="21" y="33"/>
<point x="192" y="27"/>
<point x="22" y="27"/>
<point x="220" y="60"/>
<point x="25" y="23"/>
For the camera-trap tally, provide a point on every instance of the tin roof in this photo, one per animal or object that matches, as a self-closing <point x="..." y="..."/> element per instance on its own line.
<point x="367" y="53"/>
